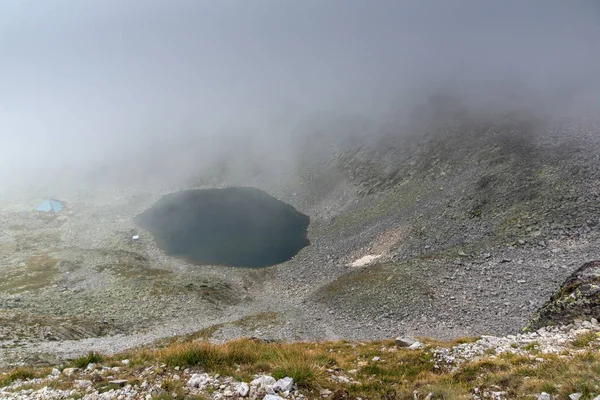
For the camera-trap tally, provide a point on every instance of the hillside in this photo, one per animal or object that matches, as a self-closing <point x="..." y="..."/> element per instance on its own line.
<point x="468" y="222"/>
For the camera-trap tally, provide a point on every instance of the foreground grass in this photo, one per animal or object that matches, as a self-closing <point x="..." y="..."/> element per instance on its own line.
<point x="22" y="373"/>
<point x="378" y="370"/>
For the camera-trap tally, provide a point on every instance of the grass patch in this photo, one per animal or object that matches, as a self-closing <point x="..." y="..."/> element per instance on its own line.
<point x="174" y="388"/>
<point x="38" y="272"/>
<point x="22" y="373"/>
<point x="84" y="361"/>
<point x="396" y="374"/>
<point x="584" y="339"/>
<point x="531" y="347"/>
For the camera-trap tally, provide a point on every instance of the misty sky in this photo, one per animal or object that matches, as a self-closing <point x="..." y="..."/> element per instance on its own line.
<point x="81" y="80"/>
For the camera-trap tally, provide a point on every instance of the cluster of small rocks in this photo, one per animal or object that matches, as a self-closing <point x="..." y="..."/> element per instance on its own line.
<point x="547" y="340"/>
<point x="98" y="382"/>
<point x="262" y="387"/>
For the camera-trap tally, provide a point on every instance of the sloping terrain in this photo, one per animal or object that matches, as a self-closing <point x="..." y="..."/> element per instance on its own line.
<point x="471" y="222"/>
<point x="487" y="214"/>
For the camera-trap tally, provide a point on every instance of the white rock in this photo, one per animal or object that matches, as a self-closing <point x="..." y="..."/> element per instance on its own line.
<point x="125" y="362"/>
<point x="70" y="371"/>
<point x="272" y="397"/>
<point x="55" y="372"/>
<point x="83" y="384"/>
<point x="416" y="345"/>
<point x="242" y="389"/>
<point x="340" y="378"/>
<point x="263" y="381"/>
<point x="403" y="342"/>
<point x="198" y="380"/>
<point x="575" y="396"/>
<point x="361" y="262"/>
<point x="375" y="358"/>
<point x="91" y="367"/>
<point x="544" y="396"/>
<point x="284" y="384"/>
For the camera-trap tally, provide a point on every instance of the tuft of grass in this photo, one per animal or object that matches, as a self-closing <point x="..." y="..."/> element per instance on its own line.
<point x="253" y="356"/>
<point x="531" y="347"/>
<point x="207" y="355"/>
<point x="303" y="367"/>
<point x="584" y="339"/>
<point x="302" y="373"/>
<point x="22" y="373"/>
<point x="174" y="388"/>
<point x="578" y="385"/>
<point x="472" y="371"/>
<point x="548" y="387"/>
<point x="91" y="358"/>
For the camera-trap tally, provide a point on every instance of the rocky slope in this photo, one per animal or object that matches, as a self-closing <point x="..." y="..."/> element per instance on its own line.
<point x="471" y="222"/>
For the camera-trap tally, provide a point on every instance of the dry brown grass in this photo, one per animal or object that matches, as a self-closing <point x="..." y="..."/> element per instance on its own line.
<point x="397" y="374"/>
<point x="584" y="339"/>
<point x="22" y="373"/>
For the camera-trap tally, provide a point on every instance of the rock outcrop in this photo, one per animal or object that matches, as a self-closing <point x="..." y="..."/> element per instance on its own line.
<point x="578" y="298"/>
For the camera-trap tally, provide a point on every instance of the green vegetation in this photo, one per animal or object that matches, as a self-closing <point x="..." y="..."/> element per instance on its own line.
<point x="397" y="372"/>
<point x="19" y="373"/>
<point x="84" y="361"/>
<point x="584" y="339"/>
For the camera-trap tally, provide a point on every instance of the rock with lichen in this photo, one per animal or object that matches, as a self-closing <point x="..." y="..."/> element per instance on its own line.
<point x="578" y="298"/>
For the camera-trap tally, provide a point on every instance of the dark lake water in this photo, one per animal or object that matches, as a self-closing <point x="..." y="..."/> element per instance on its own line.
<point x="242" y="227"/>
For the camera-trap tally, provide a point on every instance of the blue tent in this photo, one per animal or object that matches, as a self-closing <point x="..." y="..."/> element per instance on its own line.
<point x="50" y="205"/>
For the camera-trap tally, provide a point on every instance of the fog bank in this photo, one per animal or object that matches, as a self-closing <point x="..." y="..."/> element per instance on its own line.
<point x="175" y="85"/>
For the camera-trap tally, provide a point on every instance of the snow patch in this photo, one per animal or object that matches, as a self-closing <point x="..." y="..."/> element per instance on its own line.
<point x="361" y="262"/>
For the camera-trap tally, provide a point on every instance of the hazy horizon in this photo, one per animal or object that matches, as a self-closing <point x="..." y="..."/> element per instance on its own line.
<point x="86" y="84"/>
